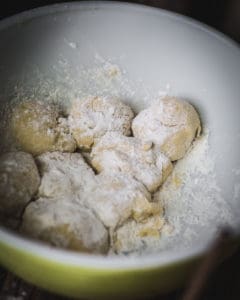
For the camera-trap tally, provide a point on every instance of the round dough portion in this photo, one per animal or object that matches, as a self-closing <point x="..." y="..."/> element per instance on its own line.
<point x="19" y="181"/>
<point x="117" y="197"/>
<point x="38" y="127"/>
<point x="171" y="123"/>
<point x="63" y="174"/>
<point x="93" y="117"/>
<point x="64" y="223"/>
<point x="115" y="152"/>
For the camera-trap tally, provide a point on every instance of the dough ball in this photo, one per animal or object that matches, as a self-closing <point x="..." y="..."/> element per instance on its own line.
<point x="19" y="181"/>
<point x="37" y="128"/>
<point x="64" y="223"/>
<point x="93" y="117"/>
<point x="117" y="197"/>
<point x="139" y="159"/>
<point x="64" y="139"/>
<point x="171" y="123"/>
<point x="63" y="174"/>
<point x="132" y="237"/>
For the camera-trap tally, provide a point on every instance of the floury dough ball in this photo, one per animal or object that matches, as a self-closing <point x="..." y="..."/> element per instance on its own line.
<point x="38" y="127"/>
<point x="63" y="174"/>
<point x="66" y="224"/>
<point x="118" y="197"/>
<point x="170" y="123"/>
<point x="92" y="117"/>
<point x="130" y="155"/>
<point x="19" y="181"/>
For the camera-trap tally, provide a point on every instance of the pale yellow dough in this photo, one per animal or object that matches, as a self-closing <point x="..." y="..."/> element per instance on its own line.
<point x="112" y="197"/>
<point x="110" y="205"/>
<point x="115" y="152"/>
<point x="64" y="223"/>
<point x="170" y="123"/>
<point x="19" y="181"/>
<point x="132" y="236"/>
<point x="92" y="117"/>
<point x="118" y="197"/>
<point x="63" y="174"/>
<point x="38" y="127"/>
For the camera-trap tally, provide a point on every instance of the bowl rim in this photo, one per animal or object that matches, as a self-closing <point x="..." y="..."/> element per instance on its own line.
<point x="99" y="4"/>
<point x="156" y="260"/>
<point x="44" y="251"/>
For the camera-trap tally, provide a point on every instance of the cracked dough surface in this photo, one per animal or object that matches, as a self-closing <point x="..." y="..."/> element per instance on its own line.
<point x="92" y="117"/>
<point x="133" y="236"/>
<point x="38" y="127"/>
<point x="74" y="208"/>
<point x="19" y="181"/>
<point x="170" y="123"/>
<point x="112" y="197"/>
<point x="118" y="197"/>
<point x="64" y="223"/>
<point x="139" y="159"/>
<point x="63" y="174"/>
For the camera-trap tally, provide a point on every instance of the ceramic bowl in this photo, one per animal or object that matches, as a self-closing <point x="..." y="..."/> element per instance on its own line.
<point x="157" y="51"/>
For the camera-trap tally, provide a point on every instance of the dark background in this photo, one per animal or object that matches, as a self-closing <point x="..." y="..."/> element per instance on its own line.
<point x="224" y="15"/>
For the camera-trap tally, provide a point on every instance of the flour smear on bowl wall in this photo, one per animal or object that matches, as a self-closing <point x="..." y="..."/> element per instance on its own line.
<point x="149" y="55"/>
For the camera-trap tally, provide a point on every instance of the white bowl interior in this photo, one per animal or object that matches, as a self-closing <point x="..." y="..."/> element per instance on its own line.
<point x="60" y="52"/>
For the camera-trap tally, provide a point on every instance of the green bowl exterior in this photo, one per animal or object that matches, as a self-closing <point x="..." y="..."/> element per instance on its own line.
<point x="94" y="283"/>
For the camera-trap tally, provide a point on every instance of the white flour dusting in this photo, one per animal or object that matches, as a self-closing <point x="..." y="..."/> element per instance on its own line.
<point x="192" y="198"/>
<point x="63" y="83"/>
<point x="193" y="201"/>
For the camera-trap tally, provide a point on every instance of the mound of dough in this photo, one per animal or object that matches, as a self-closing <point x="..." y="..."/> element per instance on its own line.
<point x="38" y="127"/>
<point x="115" y="152"/>
<point x="19" y="181"/>
<point x="64" y="223"/>
<point x="118" y="197"/>
<point x="171" y="124"/>
<point x="133" y="237"/>
<point x="93" y="117"/>
<point x="63" y="174"/>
